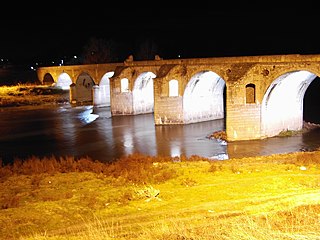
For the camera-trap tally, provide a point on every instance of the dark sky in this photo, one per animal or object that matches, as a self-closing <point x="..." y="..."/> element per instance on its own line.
<point x="33" y="33"/>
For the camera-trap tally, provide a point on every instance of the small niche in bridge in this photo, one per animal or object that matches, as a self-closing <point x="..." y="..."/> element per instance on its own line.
<point x="124" y="85"/>
<point x="173" y="88"/>
<point x="250" y="93"/>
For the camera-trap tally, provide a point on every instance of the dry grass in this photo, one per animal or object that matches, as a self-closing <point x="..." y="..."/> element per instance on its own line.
<point x="29" y="94"/>
<point x="143" y="197"/>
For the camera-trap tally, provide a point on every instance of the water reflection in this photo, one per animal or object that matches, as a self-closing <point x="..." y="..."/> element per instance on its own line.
<point x="308" y="141"/>
<point x="87" y="131"/>
<point x="189" y="139"/>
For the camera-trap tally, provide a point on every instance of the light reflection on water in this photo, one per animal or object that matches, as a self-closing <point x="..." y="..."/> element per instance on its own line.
<point x="84" y="131"/>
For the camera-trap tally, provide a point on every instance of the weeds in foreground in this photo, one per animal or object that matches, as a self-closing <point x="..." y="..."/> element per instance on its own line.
<point x="294" y="224"/>
<point x="135" y="168"/>
<point x="143" y="182"/>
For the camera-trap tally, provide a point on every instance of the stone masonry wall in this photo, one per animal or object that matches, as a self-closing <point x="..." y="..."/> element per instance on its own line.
<point x="243" y="122"/>
<point x="168" y="110"/>
<point x="121" y="104"/>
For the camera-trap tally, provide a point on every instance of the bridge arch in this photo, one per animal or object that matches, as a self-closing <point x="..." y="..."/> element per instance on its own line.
<point x="142" y="93"/>
<point x="132" y="92"/>
<point x="282" y="104"/>
<point x="64" y="81"/>
<point x="101" y="92"/>
<point x="203" y="98"/>
<point x="48" y="79"/>
<point x="82" y="90"/>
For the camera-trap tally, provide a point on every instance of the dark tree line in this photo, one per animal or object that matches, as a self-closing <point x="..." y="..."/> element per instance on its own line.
<point x="99" y="50"/>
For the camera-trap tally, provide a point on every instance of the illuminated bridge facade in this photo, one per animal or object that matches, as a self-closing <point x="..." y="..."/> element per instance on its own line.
<point x="259" y="96"/>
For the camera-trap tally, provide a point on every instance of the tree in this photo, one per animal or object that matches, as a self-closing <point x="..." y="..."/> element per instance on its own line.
<point x="146" y="49"/>
<point x="99" y="50"/>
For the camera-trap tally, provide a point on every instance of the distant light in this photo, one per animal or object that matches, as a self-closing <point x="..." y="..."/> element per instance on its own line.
<point x="74" y="56"/>
<point x="179" y="56"/>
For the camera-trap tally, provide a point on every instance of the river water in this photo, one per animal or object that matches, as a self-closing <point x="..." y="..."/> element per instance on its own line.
<point x="86" y="131"/>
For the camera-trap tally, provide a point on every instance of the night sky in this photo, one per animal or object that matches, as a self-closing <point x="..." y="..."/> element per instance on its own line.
<point x="203" y="29"/>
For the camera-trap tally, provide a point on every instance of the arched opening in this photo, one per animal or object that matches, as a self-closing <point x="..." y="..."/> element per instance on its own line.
<point x="84" y="87"/>
<point x="124" y="85"/>
<point x="48" y="79"/>
<point x="282" y="104"/>
<point x="311" y="102"/>
<point x="173" y="88"/>
<point x="102" y="92"/>
<point x="143" y="93"/>
<point x="203" y="98"/>
<point x="250" y="93"/>
<point x="64" y="81"/>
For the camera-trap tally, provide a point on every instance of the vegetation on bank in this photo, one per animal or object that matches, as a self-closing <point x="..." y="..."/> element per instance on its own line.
<point x="144" y="197"/>
<point x="31" y="95"/>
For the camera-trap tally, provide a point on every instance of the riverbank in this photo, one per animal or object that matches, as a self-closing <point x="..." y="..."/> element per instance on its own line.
<point x="32" y="95"/>
<point x="143" y="197"/>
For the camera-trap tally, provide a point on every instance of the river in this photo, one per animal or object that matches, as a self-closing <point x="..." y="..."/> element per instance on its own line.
<point x="64" y="130"/>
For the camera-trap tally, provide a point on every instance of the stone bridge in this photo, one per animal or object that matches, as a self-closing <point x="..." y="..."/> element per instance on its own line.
<point x="258" y="96"/>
